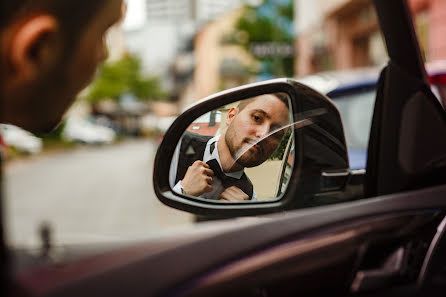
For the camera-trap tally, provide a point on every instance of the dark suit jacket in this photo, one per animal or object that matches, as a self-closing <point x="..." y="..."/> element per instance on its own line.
<point x="192" y="149"/>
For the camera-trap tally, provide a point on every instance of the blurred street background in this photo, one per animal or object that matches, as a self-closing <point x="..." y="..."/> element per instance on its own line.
<point x="89" y="194"/>
<point x="91" y="178"/>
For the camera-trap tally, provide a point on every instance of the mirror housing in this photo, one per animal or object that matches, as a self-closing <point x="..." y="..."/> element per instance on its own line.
<point x="320" y="171"/>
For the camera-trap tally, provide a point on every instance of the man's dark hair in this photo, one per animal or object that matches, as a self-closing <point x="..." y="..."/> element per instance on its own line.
<point x="281" y="96"/>
<point x="73" y="15"/>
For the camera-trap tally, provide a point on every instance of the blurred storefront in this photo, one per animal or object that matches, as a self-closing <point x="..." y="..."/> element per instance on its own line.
<point x="344" y="34"/>
<point x="204" y="63"/>
<point x="220" y="64"/>
<point x="341" y="34"/>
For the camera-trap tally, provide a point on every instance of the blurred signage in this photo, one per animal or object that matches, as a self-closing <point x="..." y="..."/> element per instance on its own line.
<point x="272" y="49"/>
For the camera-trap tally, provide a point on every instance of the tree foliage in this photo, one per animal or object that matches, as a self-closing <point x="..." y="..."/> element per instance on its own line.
<point x="122" y="77"/>
<point x="271" y="21"/>
<point x="280" y="151"/>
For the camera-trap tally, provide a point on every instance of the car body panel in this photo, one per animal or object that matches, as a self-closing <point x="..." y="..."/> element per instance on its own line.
<point x="206" y="256"/>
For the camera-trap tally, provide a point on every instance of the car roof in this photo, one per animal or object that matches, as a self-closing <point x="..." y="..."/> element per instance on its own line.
<point x="328" y="81"/>
<point x="342" y="81"/>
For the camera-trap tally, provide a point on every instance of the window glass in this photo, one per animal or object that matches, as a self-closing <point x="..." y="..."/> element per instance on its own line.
<point x="90" y="180"/>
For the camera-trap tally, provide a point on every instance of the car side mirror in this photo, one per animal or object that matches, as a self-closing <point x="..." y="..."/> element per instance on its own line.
<point x="254" y="149"/>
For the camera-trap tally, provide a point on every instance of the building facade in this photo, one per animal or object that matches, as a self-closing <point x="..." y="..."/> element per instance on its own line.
<point x="219" y="64"/>
<point x="344" y="34"/>
<point x="341" y="34"/>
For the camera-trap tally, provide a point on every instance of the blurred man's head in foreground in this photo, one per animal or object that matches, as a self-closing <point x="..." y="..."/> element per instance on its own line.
<point x="49" y="51"/>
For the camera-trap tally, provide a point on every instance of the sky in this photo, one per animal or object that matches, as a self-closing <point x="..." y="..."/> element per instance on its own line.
<point x="135" y="16"/>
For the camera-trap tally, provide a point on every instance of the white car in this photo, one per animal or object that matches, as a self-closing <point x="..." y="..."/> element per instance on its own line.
<point x="21" y="140"/>
<point x="80" y="130"/>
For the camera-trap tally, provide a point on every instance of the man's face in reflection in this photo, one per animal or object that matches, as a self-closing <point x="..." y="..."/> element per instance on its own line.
<point x="255" y="129"/>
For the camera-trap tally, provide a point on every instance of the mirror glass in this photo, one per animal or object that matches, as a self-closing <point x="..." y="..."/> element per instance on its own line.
<point x="240" y="152"/>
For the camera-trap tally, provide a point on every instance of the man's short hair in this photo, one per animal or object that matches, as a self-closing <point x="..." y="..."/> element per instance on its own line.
<point x="73" y="15"/>
<point x="281" y="96"/>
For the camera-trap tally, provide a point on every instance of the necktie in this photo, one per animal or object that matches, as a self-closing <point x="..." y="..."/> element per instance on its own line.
<point x="243" y="183"/>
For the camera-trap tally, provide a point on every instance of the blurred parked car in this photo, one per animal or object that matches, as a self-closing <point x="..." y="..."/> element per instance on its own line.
<point x="152" y="124"/>
<point x="21" y="140"/>
<point x="354" y="92"/>
<point x="82" y="131"/>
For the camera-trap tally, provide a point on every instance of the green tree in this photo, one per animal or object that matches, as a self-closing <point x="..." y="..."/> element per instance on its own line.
<point x="280" y="151"/>
<point x="124" y="76"/>
<point x="270" y="22"/>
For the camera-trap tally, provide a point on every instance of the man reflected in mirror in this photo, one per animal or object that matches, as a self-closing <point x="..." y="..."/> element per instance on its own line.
<point x="213" y="167"/>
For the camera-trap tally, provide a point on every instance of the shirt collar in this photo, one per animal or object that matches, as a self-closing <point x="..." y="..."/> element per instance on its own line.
<point x="214" y="155"/>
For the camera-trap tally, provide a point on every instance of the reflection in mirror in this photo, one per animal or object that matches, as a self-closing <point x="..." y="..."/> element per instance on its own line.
<point x="239" y="152"/>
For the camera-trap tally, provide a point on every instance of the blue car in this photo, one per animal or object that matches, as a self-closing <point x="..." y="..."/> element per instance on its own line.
<point x="354" y="92"/>
<point x="355" y="103"/>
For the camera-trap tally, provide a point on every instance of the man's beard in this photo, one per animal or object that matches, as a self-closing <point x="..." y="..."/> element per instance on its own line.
<point x="243" y="154"/>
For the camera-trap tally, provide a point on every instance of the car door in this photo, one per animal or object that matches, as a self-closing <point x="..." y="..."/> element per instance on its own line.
<point x="398" y="161"/>
<point x="397" y="153"/>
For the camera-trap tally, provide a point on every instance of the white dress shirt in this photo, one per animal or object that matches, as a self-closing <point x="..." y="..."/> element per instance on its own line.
<point x="217" y="187"/>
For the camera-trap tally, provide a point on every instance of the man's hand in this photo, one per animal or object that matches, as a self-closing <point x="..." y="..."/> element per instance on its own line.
<point x="198" y="179"/>
<point x="233" y="194"/>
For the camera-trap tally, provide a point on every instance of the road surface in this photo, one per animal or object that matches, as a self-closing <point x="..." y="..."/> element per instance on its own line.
<point x="87" y="195"/>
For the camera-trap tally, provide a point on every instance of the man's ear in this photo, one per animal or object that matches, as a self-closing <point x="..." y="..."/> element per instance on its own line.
<point x="34" y="46"/>
<point x="231" y="114"/>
